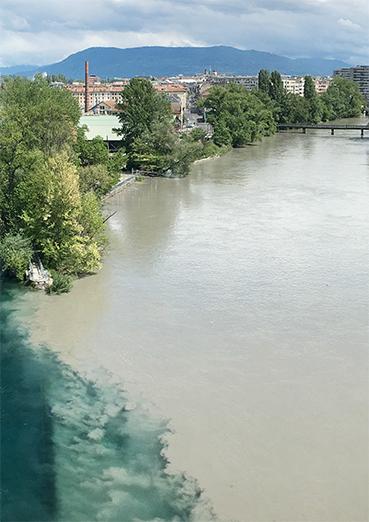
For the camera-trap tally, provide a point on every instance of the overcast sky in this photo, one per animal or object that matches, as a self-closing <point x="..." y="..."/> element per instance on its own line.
<point x="44" y="31"/>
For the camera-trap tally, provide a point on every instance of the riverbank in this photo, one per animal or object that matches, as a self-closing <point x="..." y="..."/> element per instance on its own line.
<point x="124" y="181"/>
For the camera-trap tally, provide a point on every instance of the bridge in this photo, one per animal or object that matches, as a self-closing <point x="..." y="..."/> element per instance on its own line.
<point x="322" y="126"/>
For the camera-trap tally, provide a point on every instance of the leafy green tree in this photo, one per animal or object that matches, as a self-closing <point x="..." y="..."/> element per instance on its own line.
<point x="222" y="135"/>
<point x="315" y="109"/>
<point x="34" y="116"/>
<point x="314" y="104"/>
<point x="238" y="116"/>
<point x="91" y="152"/>
<point x="182" y="157"/>
<point x="294" y="109"/>
<point x="264" y="81"/>
<point x="96" y="179"/>
<point x="276" y="89"/>
<point x="117" y="163"/>
<point x="197" y="134"/>
<point x="62" y="283"/>
<point x="342" y="99"/>
<point x="40" y="192"/>
<point x="100" y="169"/>
<point x="142" y="111"/>
<point x="309" y="88"/>
<point x="150" y="151"/>
<point x="15" y="254"/>
<point x="66" y="242"/>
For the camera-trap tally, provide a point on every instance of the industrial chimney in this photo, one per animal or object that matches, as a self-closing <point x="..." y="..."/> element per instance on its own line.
<point x="86" y="87"/>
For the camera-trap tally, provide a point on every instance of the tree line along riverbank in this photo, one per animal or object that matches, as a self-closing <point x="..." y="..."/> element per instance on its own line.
<point x="52" y="179"/>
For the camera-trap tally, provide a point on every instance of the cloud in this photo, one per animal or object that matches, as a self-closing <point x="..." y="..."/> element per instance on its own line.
<point x="43" y="31"/>
<point x="346" y="22"/>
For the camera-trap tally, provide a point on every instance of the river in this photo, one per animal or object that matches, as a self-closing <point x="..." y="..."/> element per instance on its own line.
<point x="234" y="303"/>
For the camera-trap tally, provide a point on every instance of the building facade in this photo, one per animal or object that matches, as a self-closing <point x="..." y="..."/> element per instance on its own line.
<point x="103" y="98"/>
<point x="97" y="92"/>
<point x="359" y="75"/>
<point x="295" y="84"/>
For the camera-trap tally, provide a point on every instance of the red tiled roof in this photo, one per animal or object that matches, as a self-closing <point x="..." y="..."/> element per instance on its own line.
<point x="170" y="87"/>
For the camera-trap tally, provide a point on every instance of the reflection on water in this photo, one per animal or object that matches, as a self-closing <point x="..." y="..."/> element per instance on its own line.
<point x="235" y="303"/>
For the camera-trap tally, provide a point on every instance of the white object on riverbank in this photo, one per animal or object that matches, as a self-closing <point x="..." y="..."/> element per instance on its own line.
<point x="38" y="276"/>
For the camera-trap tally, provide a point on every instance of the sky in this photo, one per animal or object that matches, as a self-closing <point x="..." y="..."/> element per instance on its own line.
<point x="44" y="31"/>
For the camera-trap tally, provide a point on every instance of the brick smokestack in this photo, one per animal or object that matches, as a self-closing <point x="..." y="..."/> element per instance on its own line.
<point x="86" y="87"/>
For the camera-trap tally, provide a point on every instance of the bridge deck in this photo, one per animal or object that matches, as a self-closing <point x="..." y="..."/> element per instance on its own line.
<point x="331" y="126"/>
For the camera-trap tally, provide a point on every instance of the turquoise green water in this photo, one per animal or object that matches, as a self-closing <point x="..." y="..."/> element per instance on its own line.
<point x="72" y="451"/>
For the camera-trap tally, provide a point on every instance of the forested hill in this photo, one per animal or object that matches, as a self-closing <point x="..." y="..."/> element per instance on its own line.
<point x="166" y="61"/>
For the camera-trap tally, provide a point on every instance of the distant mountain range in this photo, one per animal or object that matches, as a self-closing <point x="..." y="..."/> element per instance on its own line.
<point x="21" y="70"/>
<point x="110" y="62"/>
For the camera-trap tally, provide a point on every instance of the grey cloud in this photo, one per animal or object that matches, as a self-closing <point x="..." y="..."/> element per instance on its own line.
<point x="47" y="30"/>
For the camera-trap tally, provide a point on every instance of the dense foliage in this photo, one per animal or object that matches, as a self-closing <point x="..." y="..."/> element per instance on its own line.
<point x="49" y="206"/>
<point x="239" y="117"/>
<point x="99" y="170"/>
<point x="15" y="254"/>
<point x="341" y="100"/>
<point x="148" y="134"/>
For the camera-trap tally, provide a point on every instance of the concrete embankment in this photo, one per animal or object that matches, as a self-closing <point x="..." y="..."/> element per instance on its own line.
<point x="125" y="180"/>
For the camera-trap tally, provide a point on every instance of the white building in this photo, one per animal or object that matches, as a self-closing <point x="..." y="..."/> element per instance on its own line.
<point x="295" y="84"/>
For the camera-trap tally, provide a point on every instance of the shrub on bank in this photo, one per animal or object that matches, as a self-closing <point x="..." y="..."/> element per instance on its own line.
<point x="62" y="283"/>
<point x="15" y="254"/>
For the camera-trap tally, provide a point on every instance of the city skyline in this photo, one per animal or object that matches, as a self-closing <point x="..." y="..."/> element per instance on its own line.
<point x="41" y="32"/>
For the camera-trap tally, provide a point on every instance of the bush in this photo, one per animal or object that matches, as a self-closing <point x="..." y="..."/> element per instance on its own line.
<point x="15" y="254"/>
<point x="62" y="283"/>
<point x="210" y="149"/>
<point x="97" y="178"/>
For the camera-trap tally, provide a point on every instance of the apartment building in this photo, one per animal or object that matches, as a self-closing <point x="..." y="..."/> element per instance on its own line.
<point x="358" y="74"/>
<point x="295" y="84"/>
<point x="97" y="92"/>
<point x="322" y="84"/>
<point x="103" y="98"/>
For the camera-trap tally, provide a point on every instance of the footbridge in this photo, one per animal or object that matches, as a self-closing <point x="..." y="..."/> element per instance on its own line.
<point x="323" y="126"/>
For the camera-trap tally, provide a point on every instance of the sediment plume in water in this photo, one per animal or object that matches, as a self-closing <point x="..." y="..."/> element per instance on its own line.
<point x="71" y="449"/>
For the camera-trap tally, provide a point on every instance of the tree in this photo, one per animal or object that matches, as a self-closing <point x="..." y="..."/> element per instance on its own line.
<point x="142" y="110"/>
<point x="40" y="192"/>
<point x="148" y="132"/>
<point x="342" y="99"/>
<point x="35" y="121"/>
<point x="96" y="179"/>
<point x="264" y="81"/>
<point x="276" y="89"/>
<point x="294" y="109"/>
<point x="315" y="110"/>
<point x="91" y="152"/>
<point x="15" y="254"/>
<point x="35" y="116"/>
<point x="238" y="116"/>
<point x="65" y="240"/>
<point x="309" y="88"/>
<point x="197" y="134"/>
